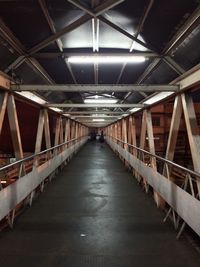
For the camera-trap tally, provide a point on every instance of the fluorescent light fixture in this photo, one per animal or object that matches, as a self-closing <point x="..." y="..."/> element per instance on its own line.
<point x="56" y="109"/>
<point x="95" y="34"/>
<point x="105" y="59"/>
<point x="157" y="97"/>
<point x="100" y="101"/>
<point x="98" y="120"/>
<point x="32" y="97"/>
<point x="98" y="115"/>
<point x="134" y="109"/>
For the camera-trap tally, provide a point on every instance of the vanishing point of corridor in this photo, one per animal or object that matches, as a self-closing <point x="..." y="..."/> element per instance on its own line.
<point x="94" y="214"/>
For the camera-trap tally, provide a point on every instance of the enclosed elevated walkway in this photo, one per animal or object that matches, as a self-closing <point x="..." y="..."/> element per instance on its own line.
<point x="94" y="214"/>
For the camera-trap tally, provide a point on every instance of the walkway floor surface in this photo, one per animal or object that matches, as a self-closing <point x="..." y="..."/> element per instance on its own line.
<point x="94" y="214"/>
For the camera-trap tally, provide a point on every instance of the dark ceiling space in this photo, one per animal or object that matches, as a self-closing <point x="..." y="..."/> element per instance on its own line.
<point x="154" y="23"/>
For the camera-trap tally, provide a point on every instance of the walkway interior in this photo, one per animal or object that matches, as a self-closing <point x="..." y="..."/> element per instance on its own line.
<point x="94" y="214"/>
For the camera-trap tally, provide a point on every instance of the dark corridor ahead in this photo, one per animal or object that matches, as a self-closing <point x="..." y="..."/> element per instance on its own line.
<point x="94" y="214"/>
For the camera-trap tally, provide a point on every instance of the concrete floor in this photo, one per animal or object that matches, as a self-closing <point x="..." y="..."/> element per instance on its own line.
<point x="94" y="214"/>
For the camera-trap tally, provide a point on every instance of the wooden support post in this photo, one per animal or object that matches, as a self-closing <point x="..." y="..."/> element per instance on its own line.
<point x="76" y="130"/>
<point x="132" y="134"/>
<point x="116" y="133"/>
<point x="132" y="139"/>
<point x="15" y="131"/>
<point x="57" y="134"/>
<point x="4" y="82"/>
<point x="124" y="137"/>
<point x="3" y="104"/>
<point x="158" y="199"/>
<point x="47" y="131"/>
<point x="39" y="136"/>
<point x="61" y="134"/>
<point x="193" y="132"/>
<point x="142" y="143"/>
<point x="72" y="131"/>
<point x="143" y="130"/>
<point x="174" y="127"/>
<point x="147" y="127"/>
<point x="67" y="130"/>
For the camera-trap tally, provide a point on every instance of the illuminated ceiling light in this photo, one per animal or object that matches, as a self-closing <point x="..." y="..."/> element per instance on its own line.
<point x="134" y="109"/>
<point x="106" y="59"/>
<point x="98" y="120"/>
<point x="98" y="115"/>
<point x="32" y="97"/>
<point x="56" y="109"/>
<point x="100" y="101"/>
<point x="157" y="97"/>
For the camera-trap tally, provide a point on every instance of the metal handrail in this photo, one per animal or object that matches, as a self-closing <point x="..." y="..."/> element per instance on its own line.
<point x="37" y="154"/>
<point x="160" y="158"/>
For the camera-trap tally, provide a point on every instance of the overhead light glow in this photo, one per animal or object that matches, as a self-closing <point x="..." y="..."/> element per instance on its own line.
<point x="105" y="59"/>
<point x="98" y="120"/>
<point x="100" y="101"/>
<point x="98" y="115"/>
<point x="136" y="46"/>
<point x="134" y="109"/>
<point x="157" y="97"/>
<point x="56" y="109"/>
<point x="32" y="97"/>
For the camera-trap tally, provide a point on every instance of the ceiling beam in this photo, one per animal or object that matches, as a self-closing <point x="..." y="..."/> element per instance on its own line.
<point x="106" y="5"/>
<point x="190" y="80"/>
<point x="39" y="69"/>
<point x="137" y="33"/>
<point x="95" y="88"/>
<point x="10" y="38"/>
<point x="181" y="34"/>
<point x="58" y="41"/>
<point x="124" y="32"/>
<point x="99" y="125"/>
<point x="94" y="112"/>
<point x="191" y="23"/>
<point x="173" y="65"/>
<point x="142" y="22"/>
<point x="106" y="105"/>
<point x="97" y="13"/>
<point x="50" y="22"/>
<point x="100" y="9"/>
<point x="15" y="64"/>
<point x="59" y="34"/>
